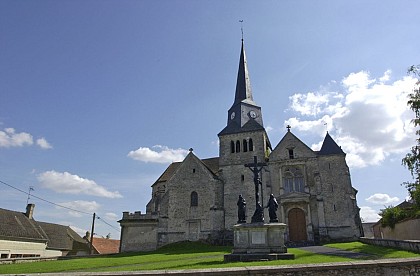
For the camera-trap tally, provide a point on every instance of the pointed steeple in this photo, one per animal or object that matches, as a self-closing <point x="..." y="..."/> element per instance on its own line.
<point x="244" y="111"/>
<point x="243" y="83"/>
<point x="329" y="146"/>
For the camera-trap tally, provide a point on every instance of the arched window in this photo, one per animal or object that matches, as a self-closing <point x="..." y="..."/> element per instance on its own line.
<point x="194" y="199"/>
<point x="251" y="145"/>
<point x="293" y="181"/>
<point x="245" y="145"/>
<point x="232" y="146"/>
<point x="238" y="146"/>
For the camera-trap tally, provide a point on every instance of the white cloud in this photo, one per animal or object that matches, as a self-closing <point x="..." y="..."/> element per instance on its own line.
<point x="382" y="199"/>
<point x="368" y="214"/>
<point x="10" y="138"/>
<point x="43" y="143"/>
<point x="368" y="118"/>
<point x="73" y="184"/>
<point x="80" y="205"/>
<point x="80" y="231"/>
<point x="163" y="154"/>
<point x="111" y="216"/>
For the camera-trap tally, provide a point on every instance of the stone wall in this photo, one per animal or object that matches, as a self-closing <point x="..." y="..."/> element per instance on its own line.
<point x="404" y="230"/>
<point x="138" y="232"/>
<point x="400" y="267"/>
<point x="413" y="246"/>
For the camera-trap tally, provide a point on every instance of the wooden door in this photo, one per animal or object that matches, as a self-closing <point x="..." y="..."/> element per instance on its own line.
<point x="297" y="225"/>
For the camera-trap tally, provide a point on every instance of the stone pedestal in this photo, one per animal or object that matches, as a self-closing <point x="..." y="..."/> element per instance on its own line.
<point x="258" y="242"/>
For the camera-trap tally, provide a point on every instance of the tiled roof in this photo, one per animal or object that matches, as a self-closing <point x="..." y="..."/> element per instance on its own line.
<point x="106" y="246"/>
<point x="60" y="237"/>
<point x="211" y="163"/>
<point x="16" y="225"/>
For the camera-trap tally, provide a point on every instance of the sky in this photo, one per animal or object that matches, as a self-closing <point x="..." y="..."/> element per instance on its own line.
<point x="97" y="98"/>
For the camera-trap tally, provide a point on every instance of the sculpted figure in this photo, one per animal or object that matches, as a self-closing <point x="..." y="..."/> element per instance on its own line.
<point x="241" y="209"/>
<point x="272" y="208"/>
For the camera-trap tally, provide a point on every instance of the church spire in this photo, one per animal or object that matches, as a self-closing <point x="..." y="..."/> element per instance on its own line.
<point x="243" y="83"/>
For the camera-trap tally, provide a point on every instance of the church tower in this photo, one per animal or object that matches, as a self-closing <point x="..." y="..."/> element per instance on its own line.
<point x="243" y="138"/>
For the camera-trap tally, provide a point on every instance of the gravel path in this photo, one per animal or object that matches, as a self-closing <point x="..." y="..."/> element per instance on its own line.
<point x="336" y="252"/>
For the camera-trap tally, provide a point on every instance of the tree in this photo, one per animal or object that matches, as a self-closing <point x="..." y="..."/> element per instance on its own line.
<point x="412" y="159"/>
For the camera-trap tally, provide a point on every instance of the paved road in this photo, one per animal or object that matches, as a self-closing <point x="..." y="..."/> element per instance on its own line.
<point x="335" y="252"/>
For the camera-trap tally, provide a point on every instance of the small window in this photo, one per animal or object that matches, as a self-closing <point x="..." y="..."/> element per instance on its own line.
<point x="245" y="145"/>
<point x="291" y="154"/>
<point x="251" y="145"/>
<point x="4" y="256"/>
<point x="232" y="146"/>
<point x="194" y="199"/>
<point x="238" y="146"/>
<point x="242" y="178"/>
<point x="193" y="170"/>
<point x="335" y="208"/>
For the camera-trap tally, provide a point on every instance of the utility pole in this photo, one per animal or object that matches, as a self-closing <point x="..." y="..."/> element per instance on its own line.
<point x="91" y="233"/>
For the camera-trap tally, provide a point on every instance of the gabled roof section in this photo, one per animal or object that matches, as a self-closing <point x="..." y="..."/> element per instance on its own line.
<point x="329" y="146"/>
<point x="234" y="128"/>
<point x="290" y="141"/>
<point x="60" y="237"/>
<point x="212" y="164"/>
<point x="17" y="226"/>
<point x="243" y="83"/>
<point x="106" y="246"/>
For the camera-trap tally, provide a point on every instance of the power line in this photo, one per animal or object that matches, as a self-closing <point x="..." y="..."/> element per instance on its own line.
<point x="32" y="195"/>
<point x="59" y="205"/>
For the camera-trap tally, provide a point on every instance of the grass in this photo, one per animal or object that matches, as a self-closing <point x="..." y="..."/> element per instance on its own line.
<point x="375" y="251"/>
<point x="189" y="255"/>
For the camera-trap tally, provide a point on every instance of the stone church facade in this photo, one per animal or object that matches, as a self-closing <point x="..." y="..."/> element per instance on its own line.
<point x="196" y="199"/>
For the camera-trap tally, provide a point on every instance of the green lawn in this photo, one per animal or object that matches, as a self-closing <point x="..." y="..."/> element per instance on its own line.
<point x="376" y="251"/>
<point x="187" y="256"/>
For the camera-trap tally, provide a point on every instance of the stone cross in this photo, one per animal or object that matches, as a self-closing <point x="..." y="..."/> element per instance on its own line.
<point x="256" y="169"/>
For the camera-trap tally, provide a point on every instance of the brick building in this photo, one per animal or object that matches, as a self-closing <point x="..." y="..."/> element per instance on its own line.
<point x="196" y="199"/>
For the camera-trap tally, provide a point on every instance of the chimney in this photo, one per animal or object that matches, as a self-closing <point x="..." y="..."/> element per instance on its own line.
<point x="30" y="210"/>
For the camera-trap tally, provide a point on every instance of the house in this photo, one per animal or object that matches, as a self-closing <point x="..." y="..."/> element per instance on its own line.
<point x="105" y="246"/>
<point x="22" y="236"/>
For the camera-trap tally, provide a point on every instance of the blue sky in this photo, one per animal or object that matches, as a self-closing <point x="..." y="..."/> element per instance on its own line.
<point x="96" y="97"/>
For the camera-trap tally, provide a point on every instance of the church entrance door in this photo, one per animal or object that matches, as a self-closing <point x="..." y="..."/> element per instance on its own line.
<point x="193" y="230"/>
<point x="297" y="225"/>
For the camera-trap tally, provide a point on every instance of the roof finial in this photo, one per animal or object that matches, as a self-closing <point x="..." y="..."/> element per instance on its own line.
<point x="288" y="128"/>
<point x="242" y="29"/>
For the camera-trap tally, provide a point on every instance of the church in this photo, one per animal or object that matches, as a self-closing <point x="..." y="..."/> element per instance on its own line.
<point x="196" y="199"/>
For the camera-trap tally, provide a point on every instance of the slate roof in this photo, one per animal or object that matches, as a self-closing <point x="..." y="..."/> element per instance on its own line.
<point x="17" y="226"/>
<point x="106" y="246"/>
<point x="243" y="83"/>
<point x="211" y="163"/>
<point x="329" y="146"/>
<point x="233" y="127"/>
<point x="59" y="236"/>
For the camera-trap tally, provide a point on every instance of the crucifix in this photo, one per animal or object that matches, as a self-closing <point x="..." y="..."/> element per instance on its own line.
<point x="256" y="170"/>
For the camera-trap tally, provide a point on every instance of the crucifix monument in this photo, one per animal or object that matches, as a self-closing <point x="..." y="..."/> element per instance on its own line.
<point x="256" y="170"/>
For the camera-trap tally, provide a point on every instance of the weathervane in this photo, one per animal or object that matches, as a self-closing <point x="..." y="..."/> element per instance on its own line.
<point x="242" y="28"/>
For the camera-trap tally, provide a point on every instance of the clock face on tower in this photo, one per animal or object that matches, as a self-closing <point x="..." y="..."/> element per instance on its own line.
<point x="232" y="115"/>
<point x="252" y="114"/>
